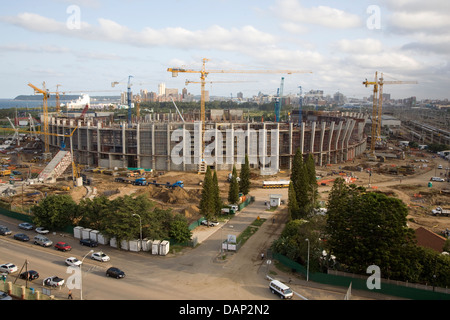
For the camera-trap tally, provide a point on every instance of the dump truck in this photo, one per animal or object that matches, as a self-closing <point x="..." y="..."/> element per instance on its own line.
<point x="140" y="182"/>
<point x="439" y="211"/>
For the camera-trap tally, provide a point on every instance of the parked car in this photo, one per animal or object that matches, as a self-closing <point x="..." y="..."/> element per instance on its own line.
<point x="41" y="230"/>
<point x="73" y="262"/>
<point x="88" y="242"/>
<point x="30" y="275"/>
<point x="4" y="231"/>
<point x="115" y="272"/>
<point x="100" y="256"/>
<point x="21" y="237"/>
<point x="210" y="223"/>
<point x="63" y="246"/>
<point x="54" y="281"/>
<point x="4" y="296"/>
<point x="439" y="179"/>
<point x="26" y="226"/>
<point x="8" y="268"/>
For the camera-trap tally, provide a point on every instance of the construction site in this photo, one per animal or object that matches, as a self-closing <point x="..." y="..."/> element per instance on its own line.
<point x="87" y="154"/>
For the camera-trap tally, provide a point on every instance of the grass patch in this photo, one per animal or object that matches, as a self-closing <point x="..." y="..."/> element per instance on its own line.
<point x="249" y="231"/>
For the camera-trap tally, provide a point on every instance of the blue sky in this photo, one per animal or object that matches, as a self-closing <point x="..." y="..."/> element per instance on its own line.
<point x="341" y="42"/>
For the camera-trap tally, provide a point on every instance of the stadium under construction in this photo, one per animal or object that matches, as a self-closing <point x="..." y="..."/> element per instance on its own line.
<point x="154" y="141"/>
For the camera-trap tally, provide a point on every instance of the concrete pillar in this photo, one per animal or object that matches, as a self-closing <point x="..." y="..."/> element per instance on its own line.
<point x="322" y="136"/>
<point x="291" y="127"/>
<point x="330" y="138"/>
<point x="313" y="134"/>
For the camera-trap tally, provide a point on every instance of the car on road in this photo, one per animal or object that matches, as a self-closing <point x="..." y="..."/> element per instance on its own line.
<point x="26" y="226"/>
<point x="100" y="256"/>
<point x="21" y="237"/>
<point x="4" y="231"/>
<point x="210" y="223"/>
<point x="41" y="230"/>
<point x="30" y="275"/>
<point x="63" y="246"/>
<point x="8" y="268"/>
<point x="440" y="166"/>
<point x="73" y="262"/>
<point x="4" y="296"/>
<point x="439" y="179"/>
<point x="115" y="272"/>
<point x="53" y="281"/>
<point x="88" y="242"/>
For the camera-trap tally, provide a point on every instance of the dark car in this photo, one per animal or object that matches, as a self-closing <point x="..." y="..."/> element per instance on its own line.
<point x="115" y="272"/>
<point x="63" y="246"/>
<point x="88" y="242"/>
<point x="30" y="275"/>
<point x="4" y="231"/>
<point x="21" y="237"/>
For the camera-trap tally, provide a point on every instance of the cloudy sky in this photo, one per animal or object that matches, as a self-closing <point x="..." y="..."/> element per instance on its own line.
<point x="84" y="45"/>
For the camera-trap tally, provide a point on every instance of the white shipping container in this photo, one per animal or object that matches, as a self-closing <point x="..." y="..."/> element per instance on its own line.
<point x="146" y="245"/>
<point x="155" y="246"/>
<point x="135" y="245"/>
<point x="113" y="242"/>
<point x="102" y="239"/>
<point x="94" y="235"/>
<point x="85" y="234"/>
<point x="125" y="245"/>
<point x="164" y="248"/>
<point x="77" y="232"/>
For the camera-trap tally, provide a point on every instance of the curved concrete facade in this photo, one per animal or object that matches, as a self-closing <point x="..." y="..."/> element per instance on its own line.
<point x="163" y="144"/>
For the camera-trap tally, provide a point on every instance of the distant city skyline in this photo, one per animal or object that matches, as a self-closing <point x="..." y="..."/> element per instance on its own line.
<point x="86" y="45"/>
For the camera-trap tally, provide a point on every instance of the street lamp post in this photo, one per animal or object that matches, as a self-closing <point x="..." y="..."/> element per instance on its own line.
<point x="140" y="228"/>
<point x="81" y="275"/>
<point x="307" y="263"/>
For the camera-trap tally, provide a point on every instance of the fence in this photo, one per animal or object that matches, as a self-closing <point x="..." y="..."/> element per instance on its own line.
<point x="359" y="282"/>
<point x="24" y="293"/>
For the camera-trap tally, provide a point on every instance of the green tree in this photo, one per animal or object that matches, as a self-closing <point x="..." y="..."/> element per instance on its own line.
<point x="313" y="192"/>
<point x="293" y="209"/>
<point x="179" y="229"/>
<point x="55" y="212"/>
<point x="216" y="193"/>
<point x="244" y="177"/>
<point x="300" y="182"/>
<point x="366" y="229"/>
<point x="233" y="192"/>
<point x="207" y="202"/>
<point x="93" y="212"/>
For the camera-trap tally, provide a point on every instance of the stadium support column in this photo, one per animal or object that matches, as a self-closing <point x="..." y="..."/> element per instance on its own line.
<point x="153" y="147"/>
<point x="313" y="135"/>
<point x="330" y="138"/>
<point x="336" y="147"/>
<point x="302" y="137"/>
<point x="168" y="146"/>
<point x="322" y="135"/>
<point x="124" y="147"/>
<point x="99" y="145"/>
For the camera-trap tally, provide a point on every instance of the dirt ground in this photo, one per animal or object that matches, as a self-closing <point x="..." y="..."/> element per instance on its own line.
<point x="412" y="188"/>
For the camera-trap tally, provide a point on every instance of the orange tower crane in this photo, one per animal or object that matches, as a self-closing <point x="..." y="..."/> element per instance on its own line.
<point x="46" y="95"/>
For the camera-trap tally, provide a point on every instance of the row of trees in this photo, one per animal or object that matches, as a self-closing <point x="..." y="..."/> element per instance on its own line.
<point x="113" y="218"/>
<point x="211" y="203"/>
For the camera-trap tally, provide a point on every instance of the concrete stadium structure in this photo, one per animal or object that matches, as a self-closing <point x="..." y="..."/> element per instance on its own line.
<point x="152" y="142"/>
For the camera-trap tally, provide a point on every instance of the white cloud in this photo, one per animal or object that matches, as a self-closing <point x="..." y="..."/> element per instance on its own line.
<point x="294" y="12"/>
<point x="359" y="46"/>
<point x="214" y="37"/>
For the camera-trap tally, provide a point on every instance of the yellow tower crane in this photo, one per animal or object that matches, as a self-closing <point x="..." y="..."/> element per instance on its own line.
<point x="46" y="95"/>
<point x="377" y="106"/>
<point x="204" y="73"/>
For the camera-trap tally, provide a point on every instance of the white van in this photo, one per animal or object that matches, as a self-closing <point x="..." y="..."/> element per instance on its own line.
<point x="281" y="289"/>
<point x="42" y="240"/>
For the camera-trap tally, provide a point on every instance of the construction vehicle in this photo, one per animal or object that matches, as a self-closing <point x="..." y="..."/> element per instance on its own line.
<point x="5" y="172"/>
<point x="439" y="211"/>
<point x="179" y="184"/>
<point x="140" y="182"/>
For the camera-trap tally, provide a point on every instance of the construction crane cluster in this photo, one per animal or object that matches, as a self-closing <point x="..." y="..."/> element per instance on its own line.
<point x="377" y="106"/>
<point x="204" y="74"/>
